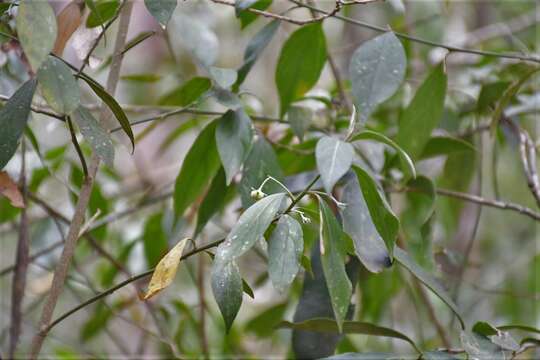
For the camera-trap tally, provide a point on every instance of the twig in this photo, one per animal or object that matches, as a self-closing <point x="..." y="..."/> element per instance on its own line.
<point x="77" y="146"/>
<point x="78" y="218"/>
<point x="441" y="331"/>
<point x="37" y="109"/>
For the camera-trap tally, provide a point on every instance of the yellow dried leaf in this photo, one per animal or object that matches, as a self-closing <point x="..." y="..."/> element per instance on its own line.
<point x="9" y="189"/>
<point x="166" y="269"/>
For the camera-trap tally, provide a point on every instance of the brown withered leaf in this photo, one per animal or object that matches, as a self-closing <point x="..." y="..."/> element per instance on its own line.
<point x="9" y="189"/>
<point x="69" y="20"/>
<point x="166" y="270"/>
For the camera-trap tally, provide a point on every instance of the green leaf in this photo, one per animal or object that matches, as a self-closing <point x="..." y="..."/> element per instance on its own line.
<point x="213" y="201"/>
<point x="255" y="47"/>
<point x="95" y="135"/>
<point x="199" y="167"/>
<point x="241" y="5"/>
<point x="489" y="94"/>
<point x="58" y="86"/>
<point x="154" y="240"/>
<point x="234" y="138"/>
<point x="247" y="17"/>
<point x="484" y="328"/>
<point x="406" y="162"/>
<point x="96" y="323"/>
<point x="285" y="248"/>
<point x="263" y="324"/>
<point x="349" y="327"/>
<point x="36" y="29"/>
<point x="13" y="118"/>
<point x="369" y="246"/>
<point x="186" y="93"/>
<point x="196" y="36"/>
<point x="386" y="223"/>
<point x="104" y="11"/>
<point x="112" y="104"/>
<point x="519" y="327"/>
<point x="161" y="10"/>
<point x="143" y="78"/>
<point x="427" y="279"/>
<point x="334" y="159"/>
<point x="223" y="77"/>
<point x="333" y="263"/>
<point x="250" y="227"/>
<point x="479" y="347"/>
<point x="445" y="145"/>
<point x="377" y="69"/>
<point x="294" y="75"/>
<point x="423" y="113"/>
<point x="300" y="118"/>
<point x="227" y="289"/>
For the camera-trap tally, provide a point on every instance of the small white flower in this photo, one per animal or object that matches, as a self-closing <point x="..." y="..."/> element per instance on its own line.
<point x="257" y="194"/>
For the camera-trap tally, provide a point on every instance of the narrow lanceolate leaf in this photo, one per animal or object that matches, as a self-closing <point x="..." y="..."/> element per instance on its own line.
<point x="166" y="270"/>
<point x="383" y="217"/>
<point x="161" y="10"/>
<point x="334" y="159"/>
<point x="255" y="47"/>
<point x="154" y="239"/>
<point x="186" y="93"/>
<point x="294" y="75"/>
<point x="13" y="117"/>
<point x="199" y="167"/>
<point x="95" y="135"/>
<point x="213" y="201"/>
<point x="423" y="113"/>
<point x="250" y="227"/>
<point x="349" y="327"/>
<point x="112" y="104"/>
<point x="58" y="86"/>
<point x="300" y="119"/>
<point x="369" y="246"/>
<point x="376" y="71"/>
<point x="285" y="248"/>
<point x="333" y="263"/>
<point x="227" y="289"/>
<point x="197" y="37"/>
<point x="36" y="27"/>
<point x="10" y="190"/>
<point x="406" y="162"/>
<point x="427" y="279"/>
<point x="445" y="145"/>
<point x="234" y="138"/>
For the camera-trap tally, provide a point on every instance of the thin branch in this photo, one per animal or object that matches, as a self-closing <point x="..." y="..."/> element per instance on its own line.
<point x="77" y="146"/>
<point x="37" y="109"/>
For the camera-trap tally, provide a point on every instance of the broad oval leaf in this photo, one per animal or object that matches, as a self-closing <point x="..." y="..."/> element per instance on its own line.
<point x="161" y="10"/>
<point x="427" y="279"/>
<point x="294" y="75"/>
<point x="285" y="248"/>
<point x="186" y="93"/>
<point x="300" y="118"/>
<point x="383" y="217"/>
<point x="376" y="71"/>
<point x="199" y="167"/>
<point x="423" y="114"/>
<point x="166" y="269"/>
<point x="227" y="289"/>
<point x="197" y="37"/>
<point x="36" y="28"/>
<point x="95" y="135"/>
<point x="13" y="118"/>
<point x="234" y="138"/>
<point x="357" y="223"/>
<point x="58" y="86"/>
<point x="334" y="159"/>
<point x="250" y="227"/>
<point x="333" y="263"/>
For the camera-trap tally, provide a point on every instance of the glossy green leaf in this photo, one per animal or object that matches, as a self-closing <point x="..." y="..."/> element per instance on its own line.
<point x="406" y="162"/>
<point x="285" y="248"/>
<point x="377" y="69"/>
<point x="255" y="47"/>
<point x="186" y="93"/>
<point x="213" y="201"/>
<point x="13" y="118"/>
<point x="384" y="219"/>
<point x="161" y="10"/>
<point x="334" y="159"/>
<point x="423" y="113"/>
<point x="36" y="29"/>
<point x="300" y="119"/>
<point x="227" y="289"/>
<point x="349" y="327"/>
<point x="250" y="227"/>
<point x="484" y="328"/>
<point x="154" y="240"/>
<point x="234" y="138"/>
<point x="58" y="86"/>
<point x="333" y="263"/>
<point x="112" y="104"/>
<point x="445" y="145"/>
<point x="357" y="223"/>
<point x="294" y="75"/>
<point x="103" y="11"/>
<point x="427" y="279"/>
<point x="199" y="167"/>
<point x="98" y="138"/>
<point x="196" y="36"/>
<point x="247" y="17"/>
